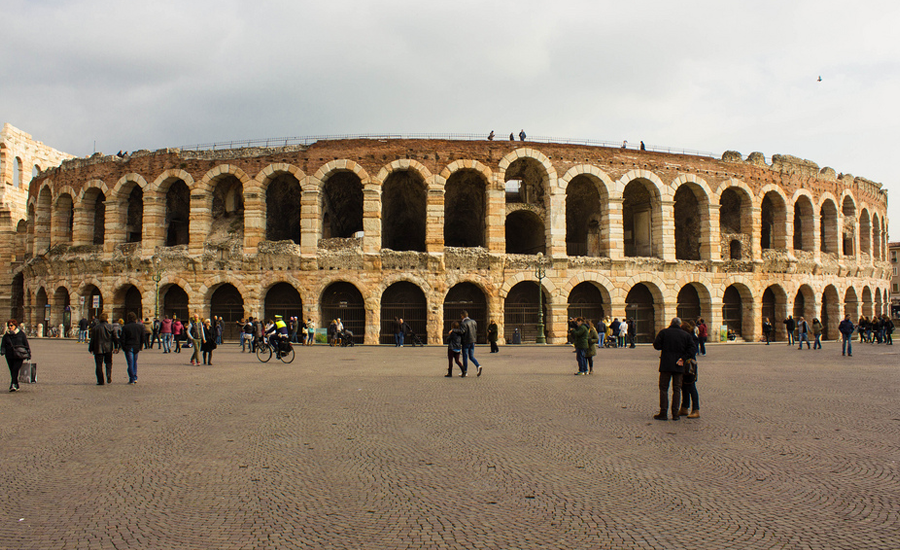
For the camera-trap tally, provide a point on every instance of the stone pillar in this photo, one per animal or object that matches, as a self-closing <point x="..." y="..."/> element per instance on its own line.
<point x="756" y="234"/>
<point x="753" y="317"/>
<point x="373" y="320"/>
<point x="663" y="231"/>
<point x="555" y="230"/>
<point x="614" y="230"/>
<point x="254" y="221"/>
<point x="200" y="222"/>
<point x="556" y="327"/>
<point x="617" y="309"/>
<point x="434" y="219"/>
<point x="81" y="233"/>
<point x="435" y="325"/>
<point x="114" y="224"/>
<point x="153" y="232"/>
<point x="372" y="219"/>
<point x="711" y="245"/>
<point x="817" y="236"/>
<point x="495" y="225"/>
<point x="310" y="219"/>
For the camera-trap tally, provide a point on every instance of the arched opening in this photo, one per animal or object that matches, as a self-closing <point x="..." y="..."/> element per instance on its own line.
<point x="62" y="309"/>
<point x="808" y="310"/>
<point x="586" y="300"/>
<point x="343" y="301"/>
<point x="134" y="215"/>
<point x="876" y="238"/>
<point x="639" y="210"/>
<point x="226" y="302"/>
<point x="639" y="306"/>
<point x="688" y="224"/>
<point x="851" y="304"/>
<point x="733" y="310"/>
<point x="735" y="220"/>
<point x="93" y="301"/>
<point x="830" y="313"/>
<point x="772" y="231"/>
<point x="828" y="228"/>
<point x="865" y="233"/>
<point x="173" y="301"/>
<point x="342" y="206"/>
<point x="20" y="252"/>
<point x="403" y="300"/>
<point x="178" y="212"/>
<point x="17" y="173"/>
<point x="464" y="209"/>
<point x="867" y="302"/>
<point x="799" y="306"/>
<point x="283" y="196"/>
<point x="466" y="297"/>
<point x="848" y="239"/>
<point x="803" y="224"/>
<point x="525" y="233"/>
<point x="583" y="218"/>
<point x="95" y="204"/>
<point x="688" y="304"/>
<point x="17" y="297"/>
<point x="65" y="217"/>
<point x="283" y="299"/>
<point x="774" y="308"/>
<point x="525" y="181"/>
<point x="43" y="214"/>
<point x="521" y="312"/>
<point x="227" y="228"/>
<point x="127" y="300"/>
<point x="403" y="212"/>
<point x="735" y="250"/>
<point x="42" y="310"/>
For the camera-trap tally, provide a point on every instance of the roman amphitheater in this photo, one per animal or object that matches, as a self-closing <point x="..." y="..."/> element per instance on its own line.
<point x="369" y="229"/>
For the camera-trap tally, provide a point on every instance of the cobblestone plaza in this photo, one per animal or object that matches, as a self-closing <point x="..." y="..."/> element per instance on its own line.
<point x="371" y="447"/>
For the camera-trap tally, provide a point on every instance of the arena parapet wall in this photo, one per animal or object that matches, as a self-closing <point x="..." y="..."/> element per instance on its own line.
<point x="368" y="230"/>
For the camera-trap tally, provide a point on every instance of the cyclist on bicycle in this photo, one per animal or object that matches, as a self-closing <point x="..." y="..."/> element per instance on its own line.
<point x="280" y="332"/>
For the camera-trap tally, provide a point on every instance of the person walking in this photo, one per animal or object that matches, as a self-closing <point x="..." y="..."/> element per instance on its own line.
<point x="702" y="336"/>
<point x="177" y="333"/>
<point x="247" y="335"/>
<point x="470" y="335"/>
<point x="310" y="332"/>
<point x="82" y="330"/>
<point x="398" y="332"/>
<point x="632" y="332"/>
<point x="593" y="338"/>
<point x="846" y="329"/>
<point x="493" y="336"/>
<point x="623" y="333"/>
<point x="803" y="332"/>
<point x="454" y="349"/>
<point x="209" y="342"/>
<point x="767" y="329"/>
<point x="522" y="135"/>
<point x="614" y="331"/>
<point x="196" y="333"/>
<point x="789" y="325"/>
<point x="579" y="336"/>
<point x="888" y="331"/>
<point x="104" y="342"/>
<point x="165" y="332"/>
<point x="132" y="334"/>
<point x="690" y="405"/>
<point x="155" y="337"/>
<point x="817" y="329"/>
<point x="14" y="346"/>
<point x="675" y="346"/>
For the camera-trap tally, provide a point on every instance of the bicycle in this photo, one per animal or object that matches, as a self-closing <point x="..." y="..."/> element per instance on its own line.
<point x="268" y="347"/>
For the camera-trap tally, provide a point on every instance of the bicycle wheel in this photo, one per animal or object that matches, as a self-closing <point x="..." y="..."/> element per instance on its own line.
<point x="263" y="353"/>
<point x="287" y="356"/>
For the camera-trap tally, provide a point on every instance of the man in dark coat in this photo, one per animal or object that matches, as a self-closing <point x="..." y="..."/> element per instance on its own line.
<point x="132" y="334"/>
<point x="104" y="340"/>
<point x="675" y="345"/>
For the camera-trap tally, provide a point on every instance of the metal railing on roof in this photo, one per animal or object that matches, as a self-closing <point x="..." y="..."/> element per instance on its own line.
<point x="309" y="140"/>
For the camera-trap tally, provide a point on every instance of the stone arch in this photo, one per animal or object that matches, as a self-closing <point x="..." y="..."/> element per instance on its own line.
<point x="280" y="187"/>
<point x="208" y="182"/>
<point x="403" y="299"/>
<point x="127" y="298"/>
<point x="174" y="298"/>
<point x="737" y="312"/>
<point x="642" y="217"/>
<point x="775" y="308"/>
<point x="691" y="214"/>
<point x="282" y="298"/>
<point x="773" y="218"/>
<point x="876" y="238"/>
<point x="469" y="296"/>
<point x="851" y="304"/>
<point x="589" y="300"/>
<point x="586" y="190"/>
<point x="804" y="221"/>
<point x="865" y="231"/>
<point x="528" y="153"/>
<point x="830" y="313"/>
<point x="124" y="184"/>
<point x="61" y="310"/>
<point x="468" y="165"/>
<point x="522" y="314"/>
<point x="866" y="302"/>
<point x="90" y="212"/>
<point x="404" y="200"/>
<point x="805" y="303"/>
<point x="644" y="304"/>
<point x="694" y="300"/>
<point x="848" y="237"/>
<point x="604" y="284"/>
<point x="525" y="233"/>
<point x="736" y="202"/>
<point x="63" y="220"/>
<point x="42" y="218"/>
<point x="829" y="241"/>
<point x="228" y="300"/>
<point x="177" y="213"/>
<point x="465" y="204"/>
<point x="341" y="201"/>
<point x="342" y="299"/>
<point x="162" y="182"/>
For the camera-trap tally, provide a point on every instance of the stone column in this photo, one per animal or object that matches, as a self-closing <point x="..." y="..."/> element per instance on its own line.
<point x="614" y="230"/>
<point x="555" y="231"/>
<point x="557" y="323"/>
<point x="434" y="219"/>
<point x="200" y="222"/>
<point x="756" y="234"/>
<point x="310" y="219"/>
<point x="373" y="320"/>
<point x="711" y="245"/>
<point x="663" y="231"/>
<point x="495" y="225"/>
<point x="372" y="219"/>
<point x="254" y="220"/>
<point x="114" y="224"/>
<point x="81" y="233"/>
<point x="817" y="237"/>
<point x="153" y="232"/>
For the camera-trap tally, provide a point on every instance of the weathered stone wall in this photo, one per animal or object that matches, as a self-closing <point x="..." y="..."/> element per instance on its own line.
<point x="232" y="248"/>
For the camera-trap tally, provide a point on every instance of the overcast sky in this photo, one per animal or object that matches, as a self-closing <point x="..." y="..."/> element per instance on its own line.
<point x="704" y="75"/>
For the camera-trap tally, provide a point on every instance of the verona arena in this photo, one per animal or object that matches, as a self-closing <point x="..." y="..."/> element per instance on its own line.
<point x="370" y="229"/>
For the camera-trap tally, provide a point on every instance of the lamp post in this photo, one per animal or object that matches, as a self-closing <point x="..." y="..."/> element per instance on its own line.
<point x="156" y="276"/>
<point x="540" y="272"/>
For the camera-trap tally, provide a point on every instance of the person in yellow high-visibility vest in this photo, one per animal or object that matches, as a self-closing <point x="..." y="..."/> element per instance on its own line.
<point x="280" y="331"/>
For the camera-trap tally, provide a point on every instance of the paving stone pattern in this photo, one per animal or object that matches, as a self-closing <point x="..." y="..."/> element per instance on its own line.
<point x="371" y="447"/>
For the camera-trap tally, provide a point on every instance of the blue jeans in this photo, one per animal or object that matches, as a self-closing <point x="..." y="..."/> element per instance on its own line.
<point x="803" y="337"/>
<point x="398" y="340"/>
<point x="690" y="397"/>
<point x="167" y="342"/>
<point x="469" y="354"/>
<point x="702" y="345"/>
<point x="846" y="344"/>
<point x="581" y="359"/>
<point x="790" y="335"/>
<point x="818" y="343"/>
<point x="600" y="342"/>
<point x="82" y="336"/>
<point x="131" y="360"/>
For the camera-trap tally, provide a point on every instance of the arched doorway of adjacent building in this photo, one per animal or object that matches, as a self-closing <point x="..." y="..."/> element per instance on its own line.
<point x="639" y="306"/>
<point x="283" y="299"/>
<point x="343" y="301"/>
<point x="586" y="300"/>
<point x="403" y="300"/>
<point x="520" y="312"/>
<point x="173" y="302"/>
<point x="466" y="297"/>
<point x="226" y="302"/>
